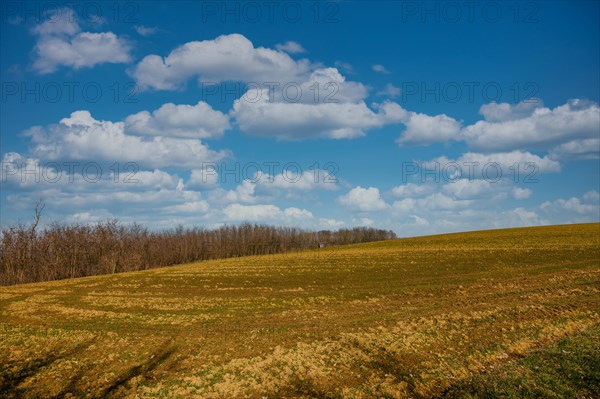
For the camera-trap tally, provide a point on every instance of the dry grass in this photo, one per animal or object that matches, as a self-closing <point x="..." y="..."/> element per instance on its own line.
<point x="397" y="319"/>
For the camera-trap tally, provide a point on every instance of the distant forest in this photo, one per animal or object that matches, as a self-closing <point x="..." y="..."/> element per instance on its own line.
<point x="29" y="254"/>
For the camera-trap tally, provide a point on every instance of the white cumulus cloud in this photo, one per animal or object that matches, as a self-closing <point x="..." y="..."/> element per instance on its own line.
<point x="187" y="121"/>
<point x="337" y="110"/>
<point x="81" y="137"/>
<point x="60" y="42"/>
<point x="363" y="199"/>
<point x="227" y="58"/>
<point x="290" y="47"/>
<point x="543" y="128"/>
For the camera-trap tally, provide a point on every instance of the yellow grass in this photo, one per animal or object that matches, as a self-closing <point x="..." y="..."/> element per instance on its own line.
<point x="396" y="319"/>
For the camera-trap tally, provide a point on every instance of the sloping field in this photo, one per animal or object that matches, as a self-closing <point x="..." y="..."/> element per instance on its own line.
<point x="494" y="313"/>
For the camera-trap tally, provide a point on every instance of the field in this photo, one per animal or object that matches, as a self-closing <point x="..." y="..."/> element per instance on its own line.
<point x="504" y="313"/>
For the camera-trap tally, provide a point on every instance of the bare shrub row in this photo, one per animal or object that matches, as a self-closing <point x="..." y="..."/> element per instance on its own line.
<point x="67" y="251"/>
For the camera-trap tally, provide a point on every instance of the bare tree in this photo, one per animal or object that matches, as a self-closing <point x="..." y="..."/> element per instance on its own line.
<point x="39" y="208"/>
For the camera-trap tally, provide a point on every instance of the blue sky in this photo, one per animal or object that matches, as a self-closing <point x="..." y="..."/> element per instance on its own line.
<point x="160" y="112"/>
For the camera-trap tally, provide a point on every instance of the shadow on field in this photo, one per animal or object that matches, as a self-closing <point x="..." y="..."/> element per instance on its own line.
<point x="71" y="387"/>
<point x="11" y="379"/>
<point x="143" y="369"/>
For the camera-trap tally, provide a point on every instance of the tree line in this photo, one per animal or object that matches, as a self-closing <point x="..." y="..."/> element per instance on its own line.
<point x="62" y="251"/>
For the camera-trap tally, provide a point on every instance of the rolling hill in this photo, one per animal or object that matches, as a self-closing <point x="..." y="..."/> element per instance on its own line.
<point x="498" y="313"/>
